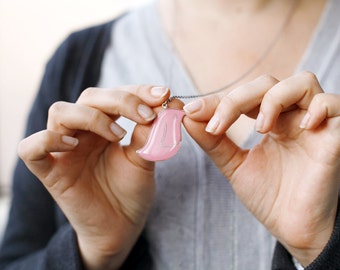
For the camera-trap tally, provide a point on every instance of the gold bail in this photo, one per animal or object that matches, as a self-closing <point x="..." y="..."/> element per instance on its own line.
<point x="165" y="104"/>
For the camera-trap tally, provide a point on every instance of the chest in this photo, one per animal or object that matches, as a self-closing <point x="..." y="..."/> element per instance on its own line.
<point x="216" y="54"/>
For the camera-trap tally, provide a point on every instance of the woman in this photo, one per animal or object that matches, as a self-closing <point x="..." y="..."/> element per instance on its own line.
<point x="185" y="213"/>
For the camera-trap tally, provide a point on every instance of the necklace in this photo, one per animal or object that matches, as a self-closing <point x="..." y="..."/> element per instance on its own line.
<point x="165" y="136"/>
<point x="249" y="70"/>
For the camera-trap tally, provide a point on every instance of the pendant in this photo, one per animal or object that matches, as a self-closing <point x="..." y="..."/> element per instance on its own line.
<point x="165" y="137"/>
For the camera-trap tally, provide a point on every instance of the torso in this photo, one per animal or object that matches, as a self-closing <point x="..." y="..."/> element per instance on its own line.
<point x="197" y="222"/>
<point x="215" y="54"/>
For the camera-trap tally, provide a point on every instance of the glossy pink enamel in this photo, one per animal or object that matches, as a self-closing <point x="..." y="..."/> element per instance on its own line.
<point x="165" y="136"/>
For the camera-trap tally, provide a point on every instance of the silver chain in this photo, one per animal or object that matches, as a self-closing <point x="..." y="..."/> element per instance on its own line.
<point x="251" y="69"/>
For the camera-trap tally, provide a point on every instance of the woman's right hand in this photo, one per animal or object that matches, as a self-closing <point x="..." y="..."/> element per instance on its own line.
<point x="104" y="189"/>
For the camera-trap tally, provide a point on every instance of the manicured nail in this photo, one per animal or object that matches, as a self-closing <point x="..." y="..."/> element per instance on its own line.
<point x="305" y="120"/>
<point x="259" y="122"/>
<point x="146" y="112"/>
<point x="159" y="91"/>
<point x="69" y="140"/>
<point x="213" y="124"/>
<point x="193" y="106"/>
<point x="117" y="130"/>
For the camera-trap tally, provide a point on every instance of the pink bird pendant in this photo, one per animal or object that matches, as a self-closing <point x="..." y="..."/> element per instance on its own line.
<point x="165" y="136"/>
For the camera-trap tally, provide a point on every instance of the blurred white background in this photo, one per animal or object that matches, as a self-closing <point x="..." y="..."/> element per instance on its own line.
<point x="29" y="33"/>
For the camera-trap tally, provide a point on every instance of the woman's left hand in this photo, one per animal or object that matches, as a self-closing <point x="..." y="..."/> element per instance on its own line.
<point x="290" y="180"/>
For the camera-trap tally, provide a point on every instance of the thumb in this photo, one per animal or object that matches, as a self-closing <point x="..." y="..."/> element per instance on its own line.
<point x="224" y="153"/>
<point x="36" y="150"/>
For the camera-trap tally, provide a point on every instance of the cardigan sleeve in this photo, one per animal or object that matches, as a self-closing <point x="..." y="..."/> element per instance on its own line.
<point x="329" y="258"/>
<point x="60" y="253"/>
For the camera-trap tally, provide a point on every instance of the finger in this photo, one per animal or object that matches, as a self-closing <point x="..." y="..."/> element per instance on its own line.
<point x="202" y="109"/>
<point x="132" y="102"/>
<point x="297" y="90"/>
<point x="35" y="150"/>
<point x="224" y="110"/>
<point x="322" y="106"/>
<point x="225" y="154"/>
<point x="67" y="118"/>
<point x="151" y="95"/>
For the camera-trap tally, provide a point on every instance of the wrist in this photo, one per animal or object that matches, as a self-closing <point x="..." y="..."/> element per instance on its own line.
<point x="96" y="256"/>
<point x="305" y="252"/>
<point x="328" y="258"/>
<point x="303" y="258"/>
<point x="98" y="260"/>
<point x="307" y="245"/>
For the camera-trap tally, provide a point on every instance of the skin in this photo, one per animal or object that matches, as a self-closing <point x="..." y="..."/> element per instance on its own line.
<point x="294" y="194"/>
<point x="214" y="54"/>
<point x="106" y="206"/>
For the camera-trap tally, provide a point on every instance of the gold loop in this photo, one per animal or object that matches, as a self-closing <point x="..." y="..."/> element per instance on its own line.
<point x="165" y="105"/>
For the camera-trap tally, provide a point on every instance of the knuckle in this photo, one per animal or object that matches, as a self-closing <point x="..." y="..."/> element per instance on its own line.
<point x="142" y="89"/>
<point x="56" y="108"/>
<point x="230" y="102"/>
<point x="122" y="98"/>
<point x="309" y="78"/>
<point x="129" y="90"/>
<point x="308" y="75"/>
<point x="94" y="118"/>
<point x="88" y="93"/>
<point x="271" y="100"/>
<point x="212" y="101"/>
<point x="268" y="79"/>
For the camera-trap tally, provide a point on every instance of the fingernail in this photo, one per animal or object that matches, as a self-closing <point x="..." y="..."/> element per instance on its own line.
<point x="213" y="124"/>
<point x="259" y="122"/>
<point x="193" y="106"/>
<point x="117" y="130"/>
<point x="159" y="91"/>
<point x="305" y="120"/>
<point x="69" y="140"/>
<point x="146" y="112"/>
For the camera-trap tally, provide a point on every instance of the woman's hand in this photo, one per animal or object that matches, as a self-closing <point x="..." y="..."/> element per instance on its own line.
<point x="104" y="189"/>
<point x="290" y="180"/>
